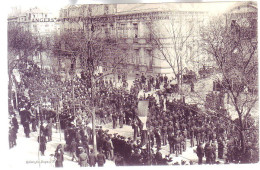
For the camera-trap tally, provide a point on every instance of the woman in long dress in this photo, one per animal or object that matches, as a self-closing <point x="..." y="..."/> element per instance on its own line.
<point x="59" y="156"/>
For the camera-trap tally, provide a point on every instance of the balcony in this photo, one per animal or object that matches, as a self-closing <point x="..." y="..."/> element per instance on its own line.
<point x="135" y="40"/>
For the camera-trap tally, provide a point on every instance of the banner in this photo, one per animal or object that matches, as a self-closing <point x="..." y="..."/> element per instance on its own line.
<point x="142" y="112"/>
<point x="142" y="108"/>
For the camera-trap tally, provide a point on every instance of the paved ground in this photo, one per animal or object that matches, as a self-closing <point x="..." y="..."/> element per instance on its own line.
<point x="25" y="154"/>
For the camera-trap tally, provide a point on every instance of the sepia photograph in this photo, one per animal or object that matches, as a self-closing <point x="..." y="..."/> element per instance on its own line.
<point x="110" y="84"/>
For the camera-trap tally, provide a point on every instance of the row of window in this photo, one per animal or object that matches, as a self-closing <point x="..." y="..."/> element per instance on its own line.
<point x="82" y="11"/>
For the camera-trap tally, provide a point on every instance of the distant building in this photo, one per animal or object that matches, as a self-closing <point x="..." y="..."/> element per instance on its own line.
<point x="243" y="17"/>
<point x="42" y="24"/>
<point x="35" y="20"/>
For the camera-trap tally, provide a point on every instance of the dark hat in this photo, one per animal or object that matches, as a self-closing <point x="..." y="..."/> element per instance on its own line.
<point x="81" y="149"/>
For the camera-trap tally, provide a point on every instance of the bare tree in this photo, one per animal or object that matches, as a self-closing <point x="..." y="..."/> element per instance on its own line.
<point x="21" y="44"/>
<point x="233" y="45"/>
<point x="93" y="50"/>
<point x="177" y="47"/>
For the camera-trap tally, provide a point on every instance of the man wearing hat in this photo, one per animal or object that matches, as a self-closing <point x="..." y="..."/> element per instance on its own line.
<point x="214" y="150"/>
<point x="49" y="130"/>
<point x="34" y="123"/>
<point x="15" y="123"/>
<point x="121" y="118"/>
<point x="200" y="153"/>
<point x="128" y="149"/>
<point x="158" y="138"/>
<point x="115" y="142"/>
<point x="110" y="149"/>
<point x="101" y="158"/>
<point x="26" y="126"/>
<point x="92" y="158"/>
<point x="208" y="153"/>
<point x="119" y="160"/>
<point x="73" y="148"/>
<point x="220" y="148"/>
<point x="158" y="157"/>
<point x="114" y="119"/>
<point x="135" y="127"/>
<point x="171" y="142"/>
<point x="164" y="134"/>
<point x="83" y="158"/>
<point x="136" y="158"/>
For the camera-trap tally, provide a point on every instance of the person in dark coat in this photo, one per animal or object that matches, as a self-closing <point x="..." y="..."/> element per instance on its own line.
<point x="171" y="142"/>
<point x="26" y="129"/>
<point x="136" y="158"/>
<point x="59" y="156"/>
<point x="177" y="144"/>
<point x="121" y="119"/>
<point x="92" y="159"/>
<point x="214" y="150"/>
<point x="135" y="127"/>
<point x="34" y="124"/>
<point x="49" y="131"/>
<point x="208" y="153"/>
<point x="12" y="137"/>
<point x="192" y="86"/>
<point x="109" y="149"/>
<point x="43" y="129"/>
<point x="143" y="78"/>
<point x="192" y="137"/>
<point x="164" y="135"/>
<point x="161" y="78"/>
<point x="200" y="153"/>
<point x="220" y="148"/>
<point x="119" y="160"/>
<point x="114" y="119"/>
<point x="15" y="123"/>
<point x="158" y="157"/>
<point x="42" y="140"/>
<point x="83" y="158"/>
<point x="101" y="159"/>
<point x="158" y="138"/>
<point x="73" y="148"/>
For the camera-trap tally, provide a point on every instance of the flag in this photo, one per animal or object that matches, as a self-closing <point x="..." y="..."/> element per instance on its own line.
<point x="142" y="111"/>
<point x="142" y="108"/>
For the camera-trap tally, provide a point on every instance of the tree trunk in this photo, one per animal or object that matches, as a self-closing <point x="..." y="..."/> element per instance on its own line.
<point x="93" y="115"/>
<point x="94" y="130"/>
<point x="242" y="139"/>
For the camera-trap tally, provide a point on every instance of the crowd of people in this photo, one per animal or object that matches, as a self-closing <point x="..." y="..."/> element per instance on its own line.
<point x="170" y="122"/>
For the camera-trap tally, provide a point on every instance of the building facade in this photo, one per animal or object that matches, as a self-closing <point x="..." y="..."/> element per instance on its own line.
<point x="37" y="21"/>
<point x="43" y="25"/>
<point x="244" y="16"/>
<point x="137" y="31"/>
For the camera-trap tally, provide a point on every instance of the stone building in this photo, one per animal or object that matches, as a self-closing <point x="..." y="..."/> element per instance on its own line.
<point x="42" y="24"/>
<point x="244" y="15"/>
<point x="137" y="31"/>
<point x="35" y="20"/>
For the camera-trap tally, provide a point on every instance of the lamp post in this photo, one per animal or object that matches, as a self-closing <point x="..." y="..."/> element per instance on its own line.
<point x="72" y="73"/>
<point x="91" y="69"/>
